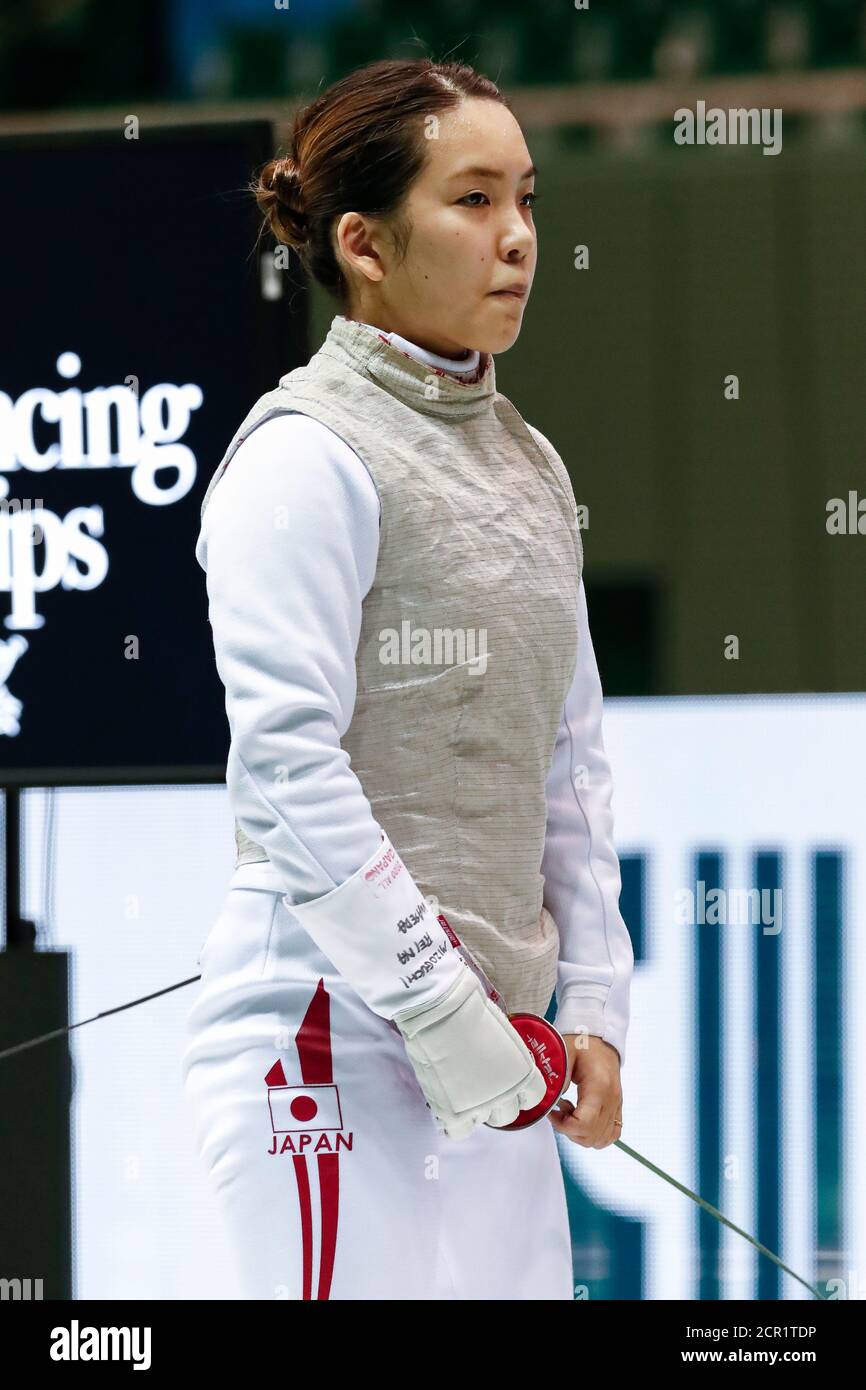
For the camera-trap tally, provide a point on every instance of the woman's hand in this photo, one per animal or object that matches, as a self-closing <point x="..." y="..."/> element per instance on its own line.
<point x="593" y="1065"/>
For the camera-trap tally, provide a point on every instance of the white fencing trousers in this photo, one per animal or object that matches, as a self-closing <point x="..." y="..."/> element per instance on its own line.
<point x="334" y="1180"/>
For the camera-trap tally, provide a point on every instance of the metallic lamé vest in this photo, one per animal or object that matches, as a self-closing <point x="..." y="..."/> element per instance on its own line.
<point x="479" y="543"/>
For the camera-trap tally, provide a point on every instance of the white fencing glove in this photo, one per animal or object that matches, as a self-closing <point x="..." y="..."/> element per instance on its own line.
<point x="472" y="1066"/>
<point x="385" y="940"/>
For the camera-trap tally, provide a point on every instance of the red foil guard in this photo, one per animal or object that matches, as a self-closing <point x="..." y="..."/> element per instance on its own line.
<point x="547" y="1046"/>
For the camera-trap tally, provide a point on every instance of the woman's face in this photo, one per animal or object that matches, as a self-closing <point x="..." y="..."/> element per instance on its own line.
<point x="472" y="235"/>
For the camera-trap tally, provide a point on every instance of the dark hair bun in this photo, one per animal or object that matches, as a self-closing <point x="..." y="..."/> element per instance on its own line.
<point x="279" y="196"/>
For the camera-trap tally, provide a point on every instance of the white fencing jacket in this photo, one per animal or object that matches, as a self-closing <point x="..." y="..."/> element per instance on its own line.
<point x="334" y="830"/>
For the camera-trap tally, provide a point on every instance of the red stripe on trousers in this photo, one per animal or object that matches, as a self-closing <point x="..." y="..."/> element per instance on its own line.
<point x="329" y="1192"/>
<point x="313" y="1041"/>
<point x="302" y="1178"/>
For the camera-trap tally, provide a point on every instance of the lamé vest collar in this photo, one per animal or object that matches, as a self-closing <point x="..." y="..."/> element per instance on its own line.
<point x="431" y="390"/>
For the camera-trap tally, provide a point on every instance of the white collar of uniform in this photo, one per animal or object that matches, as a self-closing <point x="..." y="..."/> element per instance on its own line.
<point x="459" y="366"/>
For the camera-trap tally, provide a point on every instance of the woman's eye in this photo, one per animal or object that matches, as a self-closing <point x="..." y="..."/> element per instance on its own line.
<point x="533" y="195"/>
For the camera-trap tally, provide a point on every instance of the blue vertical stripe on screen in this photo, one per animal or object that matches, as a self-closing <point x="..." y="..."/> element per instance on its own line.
<point x="768" y="1071"/>
<point x="608" y="1249"/>
<point x="632" y="901"/>
<point x="828" y="1078"/>
<point x="708" y="1073"/>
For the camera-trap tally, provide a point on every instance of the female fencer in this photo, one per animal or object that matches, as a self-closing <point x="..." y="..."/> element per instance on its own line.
<point x="416" y="770"/>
